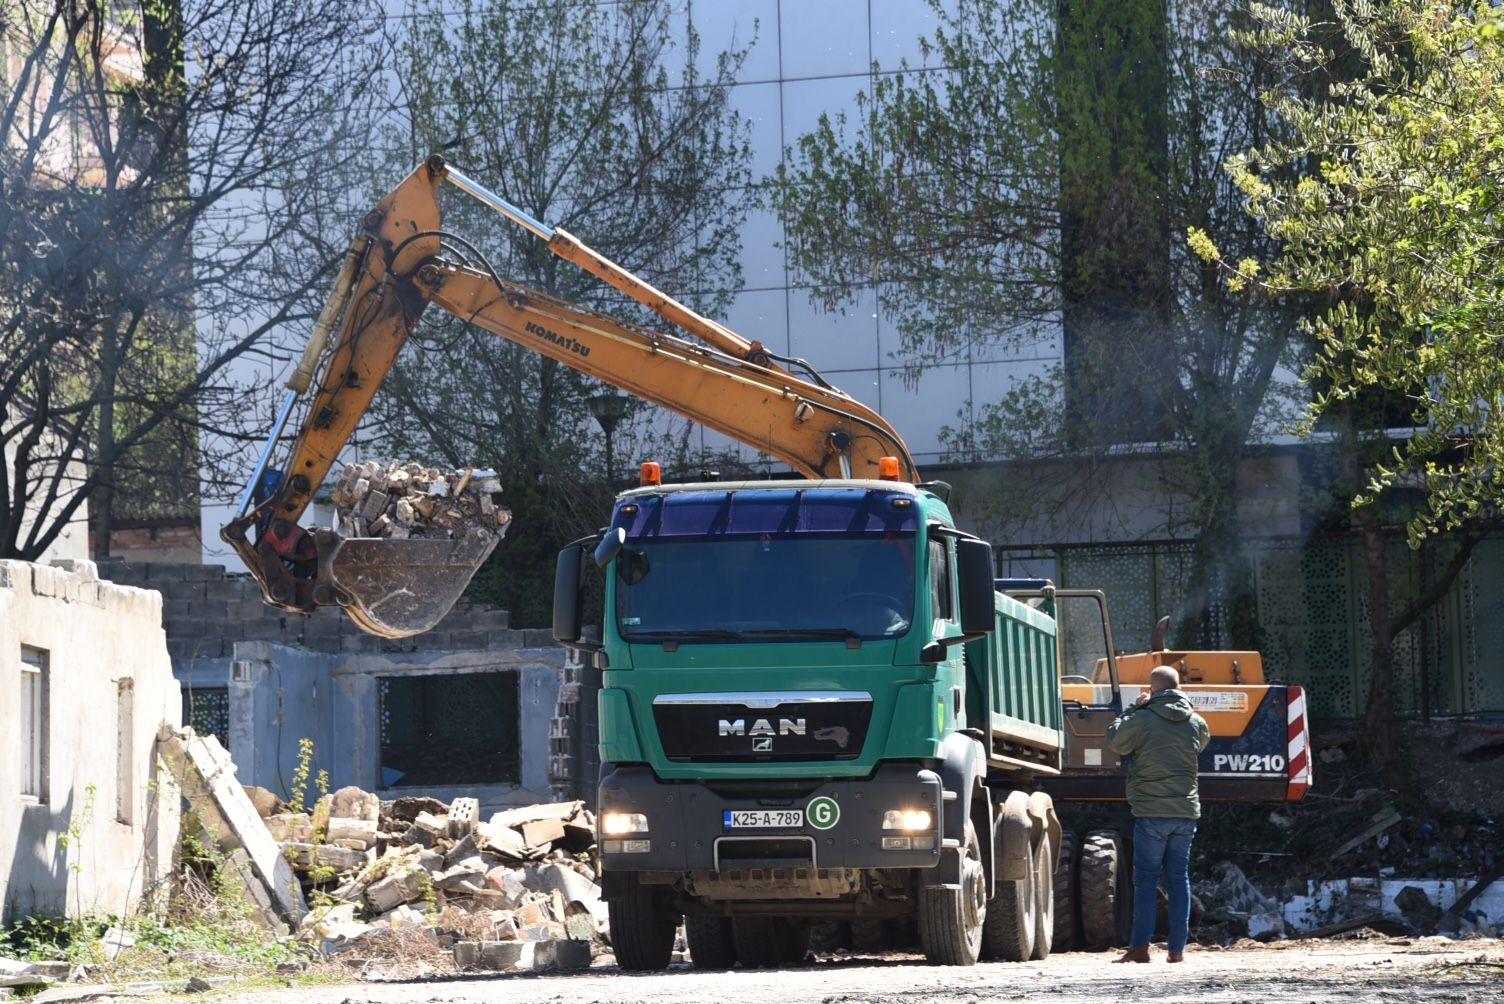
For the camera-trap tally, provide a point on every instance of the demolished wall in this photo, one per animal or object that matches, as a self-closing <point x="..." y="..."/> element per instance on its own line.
<point x="280" y="695"/>
<point x="107" y="686"/>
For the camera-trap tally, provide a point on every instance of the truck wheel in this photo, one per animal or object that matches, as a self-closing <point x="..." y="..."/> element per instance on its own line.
<point x="1013" y="917"/>
<point x="1106" y="896"/>
<point x="951" y="918"/>
<point x="1066" y="896"/>
<point x="1044" y="891"/>
<point x="642" y="931"/>
<point x="710" y="943"/>
<point x="870" y="936"/>
<point x="829" y="936"/>
<point x="762" y="942"/>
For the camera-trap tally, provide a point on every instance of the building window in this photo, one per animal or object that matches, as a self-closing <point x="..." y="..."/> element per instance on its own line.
<point x="940" y="580"/>
<point x="33" y="729"/>
<point x="207" y="711"/>
<point x="125" y="756"/>
<point x="451" y="729"/>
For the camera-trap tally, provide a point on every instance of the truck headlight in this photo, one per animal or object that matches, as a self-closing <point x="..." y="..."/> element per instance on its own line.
<point x="617" y="823"/>
<point x="907" y="820"/>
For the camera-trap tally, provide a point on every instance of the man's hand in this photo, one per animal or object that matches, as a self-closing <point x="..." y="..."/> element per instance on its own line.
<point x="1143" y="698"/>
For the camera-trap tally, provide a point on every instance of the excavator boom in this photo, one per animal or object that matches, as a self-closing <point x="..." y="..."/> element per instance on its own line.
<point x="394" y="270"/>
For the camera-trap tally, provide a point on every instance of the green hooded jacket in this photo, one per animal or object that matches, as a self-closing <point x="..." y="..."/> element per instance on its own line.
<point x="1164" y="737"/>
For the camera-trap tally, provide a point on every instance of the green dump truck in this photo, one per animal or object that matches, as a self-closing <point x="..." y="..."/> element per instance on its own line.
<point x="815" y="707"/>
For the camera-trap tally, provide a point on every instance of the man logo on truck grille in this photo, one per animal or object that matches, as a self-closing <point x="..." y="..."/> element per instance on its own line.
<point x="823" y="812"/>
<point x="761" y="727"/>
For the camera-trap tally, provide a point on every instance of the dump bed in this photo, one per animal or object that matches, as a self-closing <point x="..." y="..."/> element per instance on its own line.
<point x="1013" y="690"/>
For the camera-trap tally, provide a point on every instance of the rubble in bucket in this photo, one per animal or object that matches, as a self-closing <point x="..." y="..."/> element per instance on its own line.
<point x="516" y="891"/>
<point x="378" y="499"/>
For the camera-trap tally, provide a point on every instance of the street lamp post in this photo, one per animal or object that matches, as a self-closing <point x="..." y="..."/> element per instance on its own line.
<point x="609" y="409"/>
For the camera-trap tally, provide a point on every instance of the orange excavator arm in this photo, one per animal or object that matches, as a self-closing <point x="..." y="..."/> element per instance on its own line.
<point x="396" y="267"/>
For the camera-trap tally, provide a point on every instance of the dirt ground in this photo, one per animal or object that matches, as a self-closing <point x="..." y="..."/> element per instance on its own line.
<point x="1320" y="972"/>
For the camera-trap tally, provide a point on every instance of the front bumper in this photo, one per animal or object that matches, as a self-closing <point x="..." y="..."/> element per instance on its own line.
<point x="686" y="831"/>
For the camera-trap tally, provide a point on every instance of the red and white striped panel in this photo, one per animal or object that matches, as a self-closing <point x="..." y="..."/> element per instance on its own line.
<point x="1299" y="757"/>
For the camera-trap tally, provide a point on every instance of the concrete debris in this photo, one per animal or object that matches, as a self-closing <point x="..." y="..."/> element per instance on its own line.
<point x="378" y="499"/>
<point x="205" y="775"/>
<point x="521" y="880"/>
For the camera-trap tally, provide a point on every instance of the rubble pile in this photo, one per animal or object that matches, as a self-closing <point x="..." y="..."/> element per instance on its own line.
<point x="378" y="499"/>
<point x="514" y="891"/>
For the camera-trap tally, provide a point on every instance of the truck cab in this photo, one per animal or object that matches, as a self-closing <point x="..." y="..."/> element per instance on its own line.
<point x="807" y="713"/>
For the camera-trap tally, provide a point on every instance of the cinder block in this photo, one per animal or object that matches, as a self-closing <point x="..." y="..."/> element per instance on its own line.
<point x="510" y="638"/>
<point x="538" y="638"/>
<point x="468" y="639"/>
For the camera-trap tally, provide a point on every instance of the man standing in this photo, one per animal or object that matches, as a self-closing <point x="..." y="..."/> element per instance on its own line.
<point x="1164" y="737"/>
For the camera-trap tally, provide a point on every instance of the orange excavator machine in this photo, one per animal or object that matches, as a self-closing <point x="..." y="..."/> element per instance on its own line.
<point x="401" y="262"/>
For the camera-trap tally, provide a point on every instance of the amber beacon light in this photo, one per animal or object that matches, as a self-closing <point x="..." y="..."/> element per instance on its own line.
<point x="652" y="474"/>
<point x="887" y="468"/>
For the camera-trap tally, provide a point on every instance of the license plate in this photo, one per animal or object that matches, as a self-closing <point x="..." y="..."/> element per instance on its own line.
<point x="758" y="819"/>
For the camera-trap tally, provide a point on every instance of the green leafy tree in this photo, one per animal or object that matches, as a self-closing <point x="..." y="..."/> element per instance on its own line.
<point x="1029" y="192"/>
<point x="1385" y="198"/>
<point x="593" y="118"/>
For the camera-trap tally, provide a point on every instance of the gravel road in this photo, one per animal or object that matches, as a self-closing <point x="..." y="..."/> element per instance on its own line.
<point x="1352" y="972"/>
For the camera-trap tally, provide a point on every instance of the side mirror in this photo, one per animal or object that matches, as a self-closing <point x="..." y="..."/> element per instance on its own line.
<point x="612" y="542"/>
<point x="975" y="577"/>
<point x="567" y="598"/>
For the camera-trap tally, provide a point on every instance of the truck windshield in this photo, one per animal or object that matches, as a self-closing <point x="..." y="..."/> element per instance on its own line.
<point x="761" y="565"/>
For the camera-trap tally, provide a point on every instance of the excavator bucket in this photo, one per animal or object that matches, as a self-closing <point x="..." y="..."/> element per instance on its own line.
<point x="397" y="587"/>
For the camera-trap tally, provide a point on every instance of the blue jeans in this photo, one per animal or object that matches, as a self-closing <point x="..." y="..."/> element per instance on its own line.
<point x="1162" y="845"/>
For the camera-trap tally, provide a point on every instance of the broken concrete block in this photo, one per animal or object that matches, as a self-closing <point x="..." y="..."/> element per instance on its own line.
<point x="510" y="883"/>
<point x="463" y="848"/>
<point x="505" y="925"/>
<point x="353" y="803"/>
<point x="401" y="918"/>
<point x="527" y="813"/>
<point x="403" y="887"/>
<point x="567" y="954"/>
<point x="463" y="814"/>
<point x="430" y="860"/>
<point x="355" y="833"/>
<point x="542" y="832"/>
<point x="579" y="922"/>
<point x="373" y="505"/>
<point x="290" y="827"/>
<point x="407" y="808"/>
<point x="205" y="776"/>
<point x="493" y="955"/>
<point x="265" y="802"/>
<point x="504" y="840"/>
<point x="311" y="856"/>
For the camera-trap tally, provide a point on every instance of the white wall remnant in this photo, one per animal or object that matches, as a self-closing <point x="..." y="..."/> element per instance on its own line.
<point x="94" y="829"/>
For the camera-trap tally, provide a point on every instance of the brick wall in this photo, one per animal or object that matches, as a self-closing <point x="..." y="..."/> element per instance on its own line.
<point x="205" y="611"/>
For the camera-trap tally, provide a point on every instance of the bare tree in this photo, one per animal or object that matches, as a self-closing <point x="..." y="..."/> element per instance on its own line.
<point x="157" y="162"/>
<point x="594" y="118"/>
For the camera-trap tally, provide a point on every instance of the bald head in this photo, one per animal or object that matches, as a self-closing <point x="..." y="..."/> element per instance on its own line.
<point x="1163" y="678"/>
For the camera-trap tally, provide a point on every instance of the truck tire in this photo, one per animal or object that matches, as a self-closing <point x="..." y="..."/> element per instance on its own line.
<point x="710" y="942"/>
<point x="1066" y="895"/>
<point x="1044" y="891"/>
<point x="642" y="931"/>
<point x="763" y="942"/>
<point x="1013" y="917"/>
<point x="871" y="936"/>
<point x="952" y="918"/>
<point x="829" y="936"/>
<point x="1106" y="896"/>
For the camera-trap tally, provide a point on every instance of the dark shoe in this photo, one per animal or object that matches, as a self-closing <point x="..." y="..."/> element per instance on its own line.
<point x="1135" y="955"/>
<point x="1176" y="957"/>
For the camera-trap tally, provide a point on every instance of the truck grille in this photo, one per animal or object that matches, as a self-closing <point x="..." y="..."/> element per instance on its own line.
<point x="755" y="728"/>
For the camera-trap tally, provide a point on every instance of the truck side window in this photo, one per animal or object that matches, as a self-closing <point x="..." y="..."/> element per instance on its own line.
<point x="940" y="580"/>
